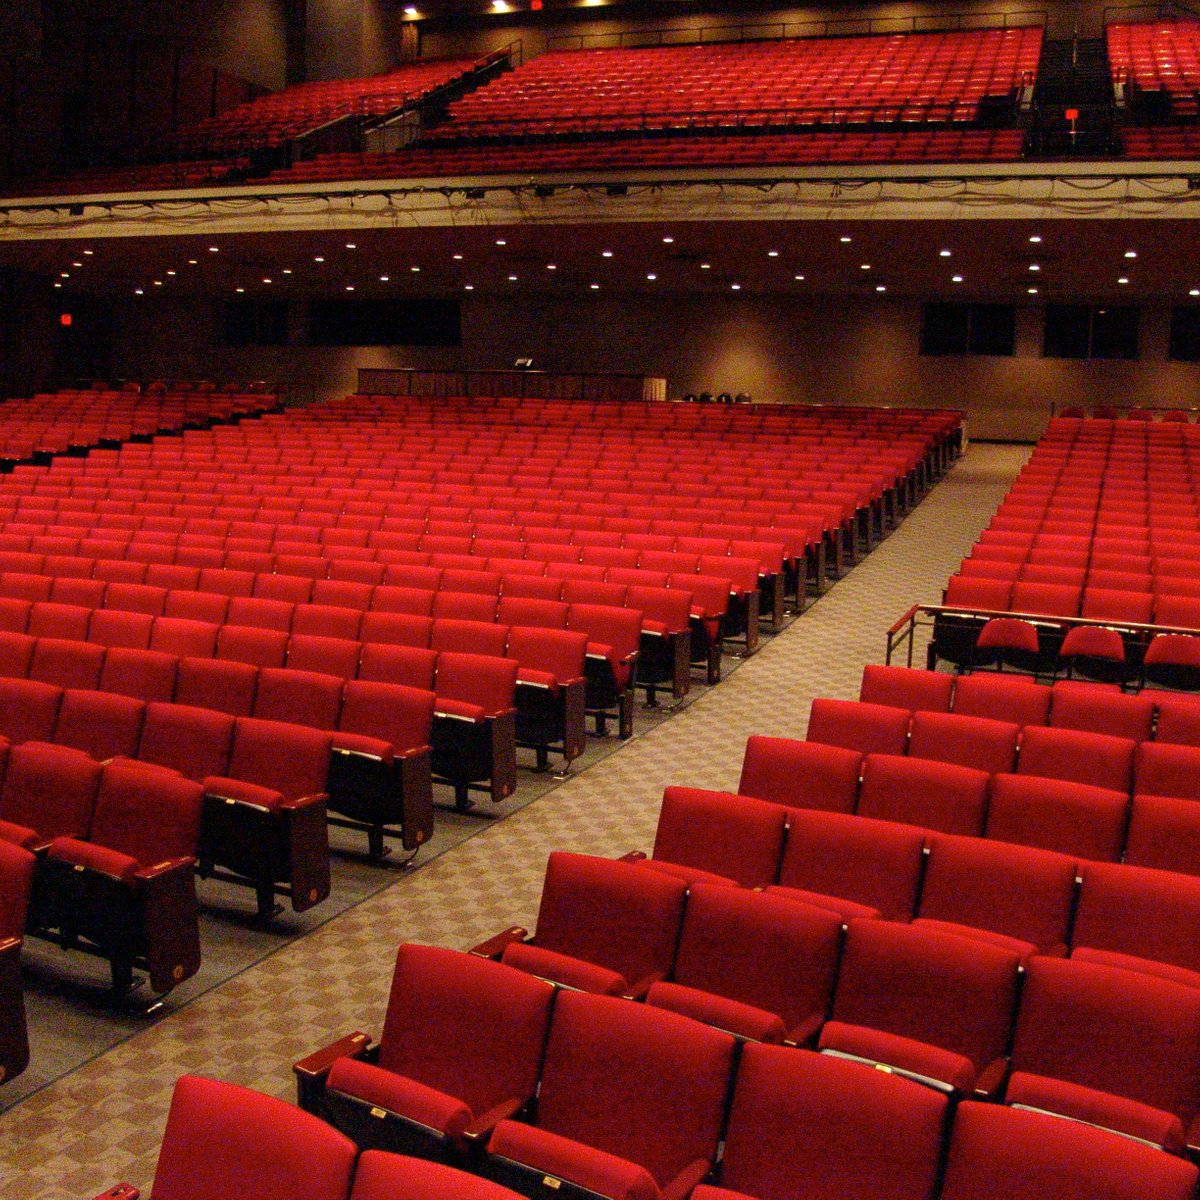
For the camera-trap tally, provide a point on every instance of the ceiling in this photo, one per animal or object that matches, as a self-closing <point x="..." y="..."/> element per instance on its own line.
<point x="1076" y="259"/>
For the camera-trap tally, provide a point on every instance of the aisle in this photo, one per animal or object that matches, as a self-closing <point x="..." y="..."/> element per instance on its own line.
<point x="102" y="1124"/>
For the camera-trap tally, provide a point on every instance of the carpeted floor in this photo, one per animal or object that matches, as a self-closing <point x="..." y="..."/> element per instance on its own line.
<point x="102" y="1122"/>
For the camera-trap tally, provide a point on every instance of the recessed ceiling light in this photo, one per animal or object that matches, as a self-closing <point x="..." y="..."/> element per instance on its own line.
<point x="414" y="269"/>
<point x="351" y="245"/>
<point x="91" y="252"/>
<point x="410" y="11"/>
<point x="606" y="254"/>
<point x="706" y="266"/>
<point x="287" y="270"/>
<point x="880" y="288"/>
<point x="668" y="240"/>
<point x="79" y="264"/>
<point x="799" y="278"/>
<point x="191" y="261"/>
<point x="843" y="239"/>
<point x="772" y="253"/>
<point x="1123" y="279"/>
<point x="501" y="242"/>
<point x="458" y="258"/>
<point x="139" y="291"/>
<point x="1034" y="267"/>
<point x="737" y="287"/>
<point x="349" y="287"/>
<point x="956" y="279"/>
<point x="865" y="267"/>
<point x="58" y="285"/>
<point x="1032" y="291"/>
<point x="1194" y="292"/>
<point x="239" y="290"/>
<point x="318" y="258"/>
<point x="552" y="266"/>
<point x="943" y="253"/>
<point x="214" y="249"/>
<point x="158" y="283"/>
<point x="171" y="272"/>
<point x="384" y="278"/>
<point x="470" y="287"/>
<point x="652" y="277"/>
<point x="595" y="287"/>
<point x="1131" y="254"/>
<point x="1036" y="240"/>
<point x="267" y="279"/>
<point x="512" y="279"/>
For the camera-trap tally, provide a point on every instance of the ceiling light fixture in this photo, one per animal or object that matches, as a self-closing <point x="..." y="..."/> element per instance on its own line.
<point x="1032" y="291"/>
<point x="772" y="253"/>
<point x="1123" y="279"/>
<point x="844" y="239"/>
<point x="1131" y="254"/>
<point x="1036" y="240"/>
<point x="956" y="279"/>
<point x="943" y="253"/>
<point x="606" y="254"/>
<point x="652" y="277"/>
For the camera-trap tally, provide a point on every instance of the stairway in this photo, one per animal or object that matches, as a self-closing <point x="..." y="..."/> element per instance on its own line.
<point x="1073" y="75"/>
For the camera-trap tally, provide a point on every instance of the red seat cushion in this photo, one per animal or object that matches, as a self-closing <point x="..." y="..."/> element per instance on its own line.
<point x="1096" y="1108"/>
<point x="903" y="1053"/>
<point x="562" y="968"/>
<point x="244" y="793"/>
<point x="563" y="1158"/>
<point x="97" y="858"/>
<point x="742" y="1020"/>
<point x="400" y="1095"/>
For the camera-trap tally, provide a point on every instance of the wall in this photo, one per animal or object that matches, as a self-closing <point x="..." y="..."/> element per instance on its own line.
<point x="775" y="349"/>
<point x="458" y="36"/>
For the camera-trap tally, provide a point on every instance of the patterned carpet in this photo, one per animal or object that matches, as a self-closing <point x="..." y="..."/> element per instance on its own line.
<point x="102" y="1122"/>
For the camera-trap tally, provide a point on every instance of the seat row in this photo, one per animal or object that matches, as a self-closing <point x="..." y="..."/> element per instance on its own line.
<point x="222" y="1139"/>
<point x="1026" y="899"/>
<point x="473" y="697"/>
<point x="1068" y="704"/>
<point x="775" y="149"/>
<point x="113" y="863"/>
<point x="16" y="878"/>
<point x="632" y="1102"/>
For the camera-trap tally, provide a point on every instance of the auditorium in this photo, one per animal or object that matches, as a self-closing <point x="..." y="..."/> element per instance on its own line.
<point x="599" y="599"/>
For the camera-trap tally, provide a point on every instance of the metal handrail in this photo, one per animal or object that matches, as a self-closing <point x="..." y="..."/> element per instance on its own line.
<point x="903" y="630"/>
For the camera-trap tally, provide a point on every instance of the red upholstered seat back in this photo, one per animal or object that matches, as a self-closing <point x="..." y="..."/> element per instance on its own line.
<point x="805" y="1124"/>
<point x="383" y="1176"/>
<point x="870" y="862"/>
<point x="286" y="758"/>
<point x="28" y="710"/>
<point x="800" y="774"/>
<point x="193" y="741"/>
<point x="224" y="1140"/>
<point x="903" y="687"/>
<point x="16" y="878"/>
<point x="616" y="915"/>
<point x="469" y="1027"/>
<point x="51" y="789"/>
<point x="948" y="991"/>
<point x="149" y="813"/>
<point x="1012" y="890"/>
<point x="638" y="1082"/>
<point x="759" y="949"/>
<point x="868" y="728"/>
<point x="1114" y="1030"/>
<point x="722" y="833"/>
<point x="1000" y="1151"/>
<point x="300" y="697"/>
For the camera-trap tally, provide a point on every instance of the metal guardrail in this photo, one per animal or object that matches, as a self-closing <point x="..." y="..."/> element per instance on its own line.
<point x="902" y="633"/>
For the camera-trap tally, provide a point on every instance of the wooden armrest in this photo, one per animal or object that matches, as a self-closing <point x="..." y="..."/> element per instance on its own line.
<point x="991" y="1079"/>
<point x="318" y="1064"/>
<point x="638" y="990"/>
<point x="305" y="801"/>
<point x="166" y="867"/>
<point x="481" y="1128"/>
<point x="494" y="946"/>
<point x="806" y="1031"/>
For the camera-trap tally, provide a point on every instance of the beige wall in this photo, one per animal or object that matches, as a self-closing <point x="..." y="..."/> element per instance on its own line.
<point x="775" y="349"/>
